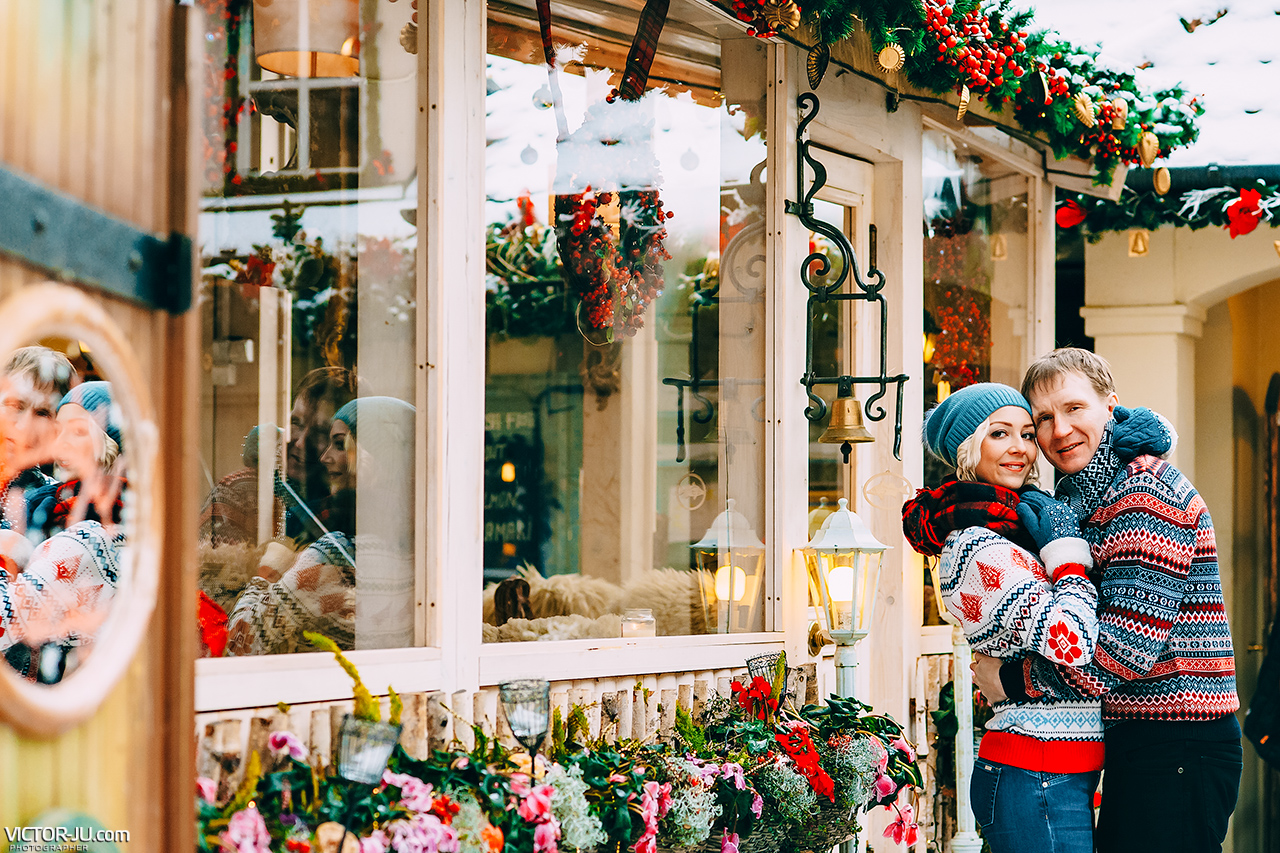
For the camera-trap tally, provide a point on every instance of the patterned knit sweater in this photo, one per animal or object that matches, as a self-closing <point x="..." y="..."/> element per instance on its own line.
<point x="1009" y="604"/>
<point x="1164" y="648"/>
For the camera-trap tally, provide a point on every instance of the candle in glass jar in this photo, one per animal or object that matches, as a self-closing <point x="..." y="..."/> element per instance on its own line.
<point x="639" y="622"/>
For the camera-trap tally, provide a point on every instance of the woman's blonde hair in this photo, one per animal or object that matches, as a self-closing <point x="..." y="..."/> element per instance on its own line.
<point x="969" y="454"/>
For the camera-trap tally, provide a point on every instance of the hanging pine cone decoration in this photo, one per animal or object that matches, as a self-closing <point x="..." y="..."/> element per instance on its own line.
<point x="1083" y="107"/>
<point x="780" y="14"/>
<point x="1148" y="147"/>
<point x="964" y="103"/>
<point x="1119" y="113"/>
<point x="819" y="57"/>
<point x="891" y="57"/>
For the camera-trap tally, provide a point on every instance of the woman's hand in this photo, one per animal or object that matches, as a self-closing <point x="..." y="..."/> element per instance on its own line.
<point x="1047" y="520"/>
<point x="986" y="676"/>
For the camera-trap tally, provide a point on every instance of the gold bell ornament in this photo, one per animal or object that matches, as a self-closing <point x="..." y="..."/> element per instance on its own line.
<point x="1083" y="107"/>
<point x="1161" y="181"/>
<point x="891" y="57"/>
<point x="964" y="103"/>
<point x="846" y="427"/>
<point x="1148" y="147"/>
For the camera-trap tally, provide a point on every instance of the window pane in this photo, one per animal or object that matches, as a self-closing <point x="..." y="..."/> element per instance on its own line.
<point x="977" y="281"/>
<point x="624" y="425"/>
<point x="308" y="309"/>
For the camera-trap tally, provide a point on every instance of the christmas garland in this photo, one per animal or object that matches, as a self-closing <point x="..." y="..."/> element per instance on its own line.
<point x="1239" y="209"/>
<point x="987" y="50"/>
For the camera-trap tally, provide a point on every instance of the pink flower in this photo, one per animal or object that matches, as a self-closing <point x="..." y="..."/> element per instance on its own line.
<point x="900" y="743"/>
<point x="545" y="837"/>
<point x="729" y="842"/>
<point x="207" y="789"/>
<point x="707" y="772"/>
<point x="884" y="786"/>
<point x="287" y="742"/>
<point x="415" y="794"/>
<point x="734" y="772"/>
<point x="882" y="755"/>
<point x="537" y="805"/>
<point x="904" y="829"/>
<point x="376" y="842"/>
<point x="422" y="833"/>
<point x="247" y="833"/>
<point x="757" y="804"/>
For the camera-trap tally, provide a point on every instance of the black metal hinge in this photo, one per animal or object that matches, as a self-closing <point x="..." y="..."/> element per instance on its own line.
<point x="70" y="240"/>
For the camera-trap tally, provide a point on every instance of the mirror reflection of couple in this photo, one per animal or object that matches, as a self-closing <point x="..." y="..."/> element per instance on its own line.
<point x="1097" y="618"/>
<point x="307" y="580"/>
<point x="61" y="485"/>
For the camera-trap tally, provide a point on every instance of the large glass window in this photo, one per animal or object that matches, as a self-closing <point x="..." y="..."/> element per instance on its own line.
<point x="308" y="308"/>
<point x="624" y="432"/>
<point x="977" y="279"/>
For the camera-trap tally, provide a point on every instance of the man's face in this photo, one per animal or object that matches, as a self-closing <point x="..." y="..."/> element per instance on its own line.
<point x="308" y="438"/>
<point x="27" y="422"/>
<point x="1070" y="417"/>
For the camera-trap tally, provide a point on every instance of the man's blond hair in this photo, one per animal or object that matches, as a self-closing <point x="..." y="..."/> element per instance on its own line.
<point x="1047" y="368"/>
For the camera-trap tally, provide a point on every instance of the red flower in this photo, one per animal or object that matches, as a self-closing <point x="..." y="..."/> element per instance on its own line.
<point x="1244" y="213"/>
<point x="757" y="699"/>
<point x="1065" y="643"/>
<point x="1070" y="214"/>
<point x="799" y="746"/>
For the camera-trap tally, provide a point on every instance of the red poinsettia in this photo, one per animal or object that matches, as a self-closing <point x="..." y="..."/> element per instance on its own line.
<point x="756" y="699"/>
<point x="1070" y="214"/>
<point x="1244" y="213"/>
<point x="797" y="744"/>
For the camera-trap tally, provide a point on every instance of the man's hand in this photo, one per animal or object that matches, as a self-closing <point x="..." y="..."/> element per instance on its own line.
<point x="986" y="675"/>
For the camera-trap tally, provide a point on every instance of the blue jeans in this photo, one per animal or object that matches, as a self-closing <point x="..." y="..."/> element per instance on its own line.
<point x="1025" y="811"/>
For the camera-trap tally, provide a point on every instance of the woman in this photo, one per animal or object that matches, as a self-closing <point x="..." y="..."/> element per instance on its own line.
<point x="370" y="454"/>
<point x="1012" y="570"/>
<point x="87" y="451"/>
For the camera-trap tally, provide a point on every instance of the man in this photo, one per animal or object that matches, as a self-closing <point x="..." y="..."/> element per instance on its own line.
<point x="34" y="381"/>
<point x="1164" y="665"/>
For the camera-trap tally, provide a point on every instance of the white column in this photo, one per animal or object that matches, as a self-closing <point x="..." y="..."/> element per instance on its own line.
<point x="966" y="839"/>
<point x="1152" y="349"/>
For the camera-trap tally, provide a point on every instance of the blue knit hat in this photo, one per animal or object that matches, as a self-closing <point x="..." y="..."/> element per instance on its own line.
<point x="949" y="423"/>
<point x="389" y="411"/>
<point x="95" y="398"/>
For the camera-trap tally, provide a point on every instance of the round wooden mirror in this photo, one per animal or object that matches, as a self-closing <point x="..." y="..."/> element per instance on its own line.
<point x="79" y="519"/>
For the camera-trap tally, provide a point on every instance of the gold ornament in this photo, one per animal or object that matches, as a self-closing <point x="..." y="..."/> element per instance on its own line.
<point x="1119" y="112"/>
<point x="781" y="14"/>
<point x="1148" y="147"/>
<point x="964" y="103"/>
<point x="891" y="57"/>
<point x="1084" y="110"/>
<point x="1161" y="180"/>
<point x="819" y="57"/>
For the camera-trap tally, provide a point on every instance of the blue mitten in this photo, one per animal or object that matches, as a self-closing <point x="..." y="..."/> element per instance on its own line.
<point x="1055" y="529"/>
<point x="1140" y="432"/>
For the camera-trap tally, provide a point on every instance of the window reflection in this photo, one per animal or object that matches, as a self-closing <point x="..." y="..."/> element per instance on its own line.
<point x="625" y="358"/>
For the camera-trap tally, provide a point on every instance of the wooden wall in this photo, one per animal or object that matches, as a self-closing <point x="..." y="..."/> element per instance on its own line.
<point x="92" y="102"/>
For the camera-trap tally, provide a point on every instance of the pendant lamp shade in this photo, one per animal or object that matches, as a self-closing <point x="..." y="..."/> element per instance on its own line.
<point x="307" y="38"/>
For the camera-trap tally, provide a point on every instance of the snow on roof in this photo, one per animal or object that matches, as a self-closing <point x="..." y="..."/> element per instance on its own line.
<point x="1232" y="59"/>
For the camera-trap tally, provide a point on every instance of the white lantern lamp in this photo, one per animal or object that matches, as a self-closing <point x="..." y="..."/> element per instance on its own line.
<point x="843" y="564"/>
<point x="730" y="559"/>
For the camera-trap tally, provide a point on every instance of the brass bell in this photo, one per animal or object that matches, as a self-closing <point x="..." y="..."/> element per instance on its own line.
<point x="846" y="427"/>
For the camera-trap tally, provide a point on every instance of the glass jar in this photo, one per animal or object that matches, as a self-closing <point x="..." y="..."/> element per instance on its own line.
<point x="639" y="622"/>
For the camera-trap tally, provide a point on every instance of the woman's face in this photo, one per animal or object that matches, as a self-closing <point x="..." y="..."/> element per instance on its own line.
<point x="1008" y="452"/>
<point x="79" y="443"/>
<point x="339" y="458"/>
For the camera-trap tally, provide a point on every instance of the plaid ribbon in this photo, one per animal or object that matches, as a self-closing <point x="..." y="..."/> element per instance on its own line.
<point x="929" y="517"/>
<point x="643" y="47"/>
<point x="544" y="27"/>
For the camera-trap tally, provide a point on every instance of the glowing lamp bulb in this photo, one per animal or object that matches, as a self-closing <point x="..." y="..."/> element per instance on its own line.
<point x="840" y="583"/>
<point x="722" y="583"/>
<point x="508" y="472"/>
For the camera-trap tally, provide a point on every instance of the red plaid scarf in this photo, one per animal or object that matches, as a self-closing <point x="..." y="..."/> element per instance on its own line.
<point x="929" y="517"/>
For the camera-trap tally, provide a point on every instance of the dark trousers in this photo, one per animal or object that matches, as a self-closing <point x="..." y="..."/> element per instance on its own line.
<point x="1169" y="786"/>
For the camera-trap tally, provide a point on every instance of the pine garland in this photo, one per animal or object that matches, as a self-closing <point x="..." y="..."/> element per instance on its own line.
<point x="1194" y="209"/>
<point x="1053" y="89"/>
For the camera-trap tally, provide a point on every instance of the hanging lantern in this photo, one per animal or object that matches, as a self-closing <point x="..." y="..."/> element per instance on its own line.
<point x="730" y="560"/>
<point x="307" y="38"/>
